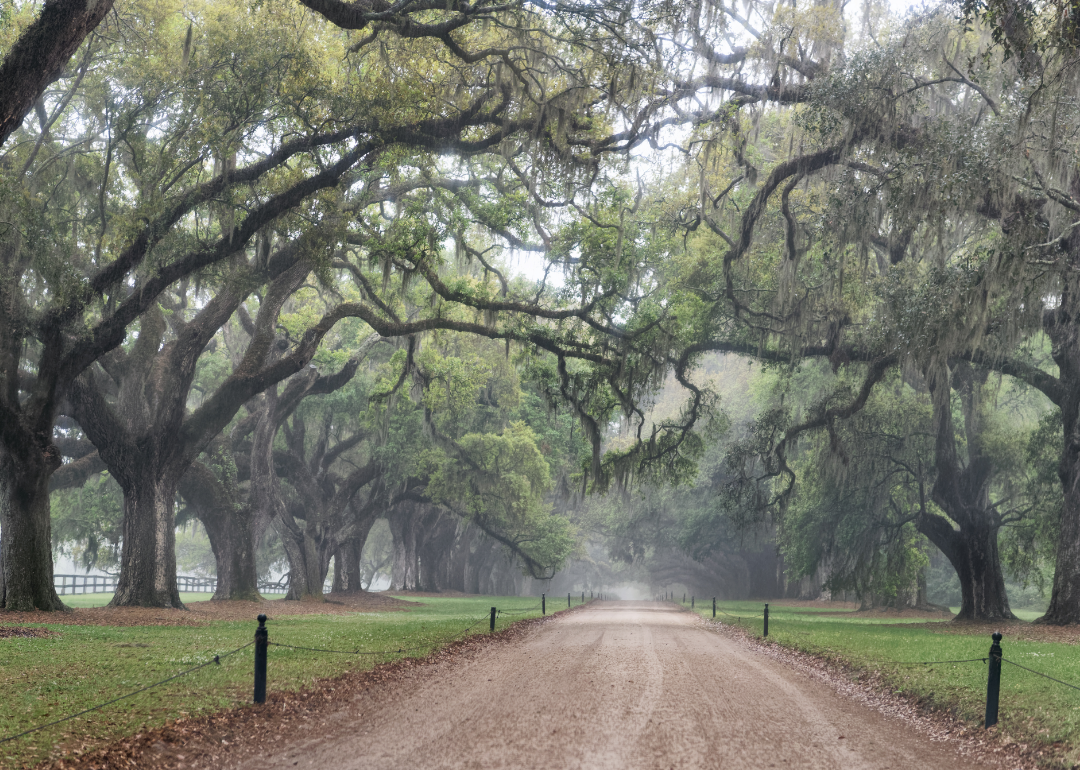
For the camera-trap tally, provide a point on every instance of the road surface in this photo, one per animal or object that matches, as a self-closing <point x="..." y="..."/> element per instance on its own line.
<point x="619" y="685"/>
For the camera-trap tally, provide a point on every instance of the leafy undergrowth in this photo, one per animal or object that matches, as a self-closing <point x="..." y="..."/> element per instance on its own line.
<point x="895" y="651"/>
<point x="79" y="666"/>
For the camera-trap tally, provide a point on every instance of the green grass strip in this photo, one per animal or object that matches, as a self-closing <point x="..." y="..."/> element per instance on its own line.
<point x="46" y="679"/>
<point x="1032" y="707"/>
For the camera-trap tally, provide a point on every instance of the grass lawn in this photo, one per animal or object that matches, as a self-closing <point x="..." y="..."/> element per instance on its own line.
<point x="1031" y="708"/>
<point x="42" y="679"/>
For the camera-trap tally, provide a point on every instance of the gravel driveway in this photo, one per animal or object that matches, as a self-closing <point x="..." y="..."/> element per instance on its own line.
<point x="620" y="685"/>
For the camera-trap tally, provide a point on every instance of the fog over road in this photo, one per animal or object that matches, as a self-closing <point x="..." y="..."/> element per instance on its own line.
<point x="619" y="685"/>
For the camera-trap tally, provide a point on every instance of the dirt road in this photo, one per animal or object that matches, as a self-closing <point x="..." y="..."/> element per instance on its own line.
<point x="617" y="685"/>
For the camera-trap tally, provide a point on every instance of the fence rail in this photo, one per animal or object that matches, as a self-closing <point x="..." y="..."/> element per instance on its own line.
<point x="70" y="585"/>
<point x="84" y="584"/>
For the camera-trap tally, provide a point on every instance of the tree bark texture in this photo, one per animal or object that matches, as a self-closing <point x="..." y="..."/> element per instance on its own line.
<point x="148" y="552"/>
<point x="961" y="490"/>
<point x="404" y="575"/>
<point x="233" y="541"/>
<point x="40" y="54"/>
<point x="25" y="534"/>
<point x="347" y="568"/>
<point x="973" y="553"/>
<point x="308" y="552"/>
<point x="347" y="574"/>
<point x="232" y="531"/>
<point x="1063" y="328"/>
<point x="435" y="539"/>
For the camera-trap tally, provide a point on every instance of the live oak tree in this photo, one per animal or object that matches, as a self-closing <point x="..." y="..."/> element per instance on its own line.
<point x="470" y="458"/>
<point x="985" y="273"/>
<point x="339" y="466"/>
<point x="331" y="477"/>
<point x="83" y="300"/>
<point x="232" y="487"/>
<point x="178" y="207"/>
<point x="902" y="214"/>
<point x="863" y="501"/>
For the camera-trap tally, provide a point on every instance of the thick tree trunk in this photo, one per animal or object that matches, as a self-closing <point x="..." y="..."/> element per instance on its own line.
<point x="403" y="528"/>
<point x="233" y="543"/>
<point x="921" y="599"/>
<point x="317" y="553"/>
<point x="479" y="566"/>
<point x="231" y="528"/>
<point x="973" y="553"/>
<point x="458" y="558"/>
<point x="294" y="552"/>
<point x="347" y="574"/>
<point x="982" y="586"/>
<point x="347" y="568"/>
<point x="962" y="492"/>
<point x="1063" y="328"/>
<point x="148" y="552"/>
<point x="40" y="54"/>
<point x="26" y="560"/>
<point x="482" y="564"/>
<point x="1065" y="597"/>
<point x="435" y="540"/>
<point x="309" y="561"/>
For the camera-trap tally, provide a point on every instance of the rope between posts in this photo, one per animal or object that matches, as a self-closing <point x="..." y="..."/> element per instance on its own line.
<point x="343" y="652"/>
<point x="740" y="617"/>
<point x="1040" y="673"/>
<point x="467" y="630"/>
<point x="213" y="661"/>
<point x="934" y="662"/>
<point x="534" y="608"/>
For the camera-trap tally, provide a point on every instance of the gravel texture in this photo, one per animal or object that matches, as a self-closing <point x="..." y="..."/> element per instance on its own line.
<point x="991" y="748"/>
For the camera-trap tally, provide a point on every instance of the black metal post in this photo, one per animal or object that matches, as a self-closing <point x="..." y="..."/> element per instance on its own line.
<point x="993" y="681"/>
<point x="582" y="597"/>
<point x="543" y="604"/>
<point x="492" y="620"/>
<point x="684" y="598"/>
<point x="262" y="639"/>
<point x="568" y="600"/>
<point x="691" y="602"/>
<point x="714" y="606"/>
<point x="766" y="620"/>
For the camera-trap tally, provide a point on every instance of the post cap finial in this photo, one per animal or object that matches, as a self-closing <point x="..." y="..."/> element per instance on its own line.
<point x="996" y="636"/>
<point x="262" y="620"/>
